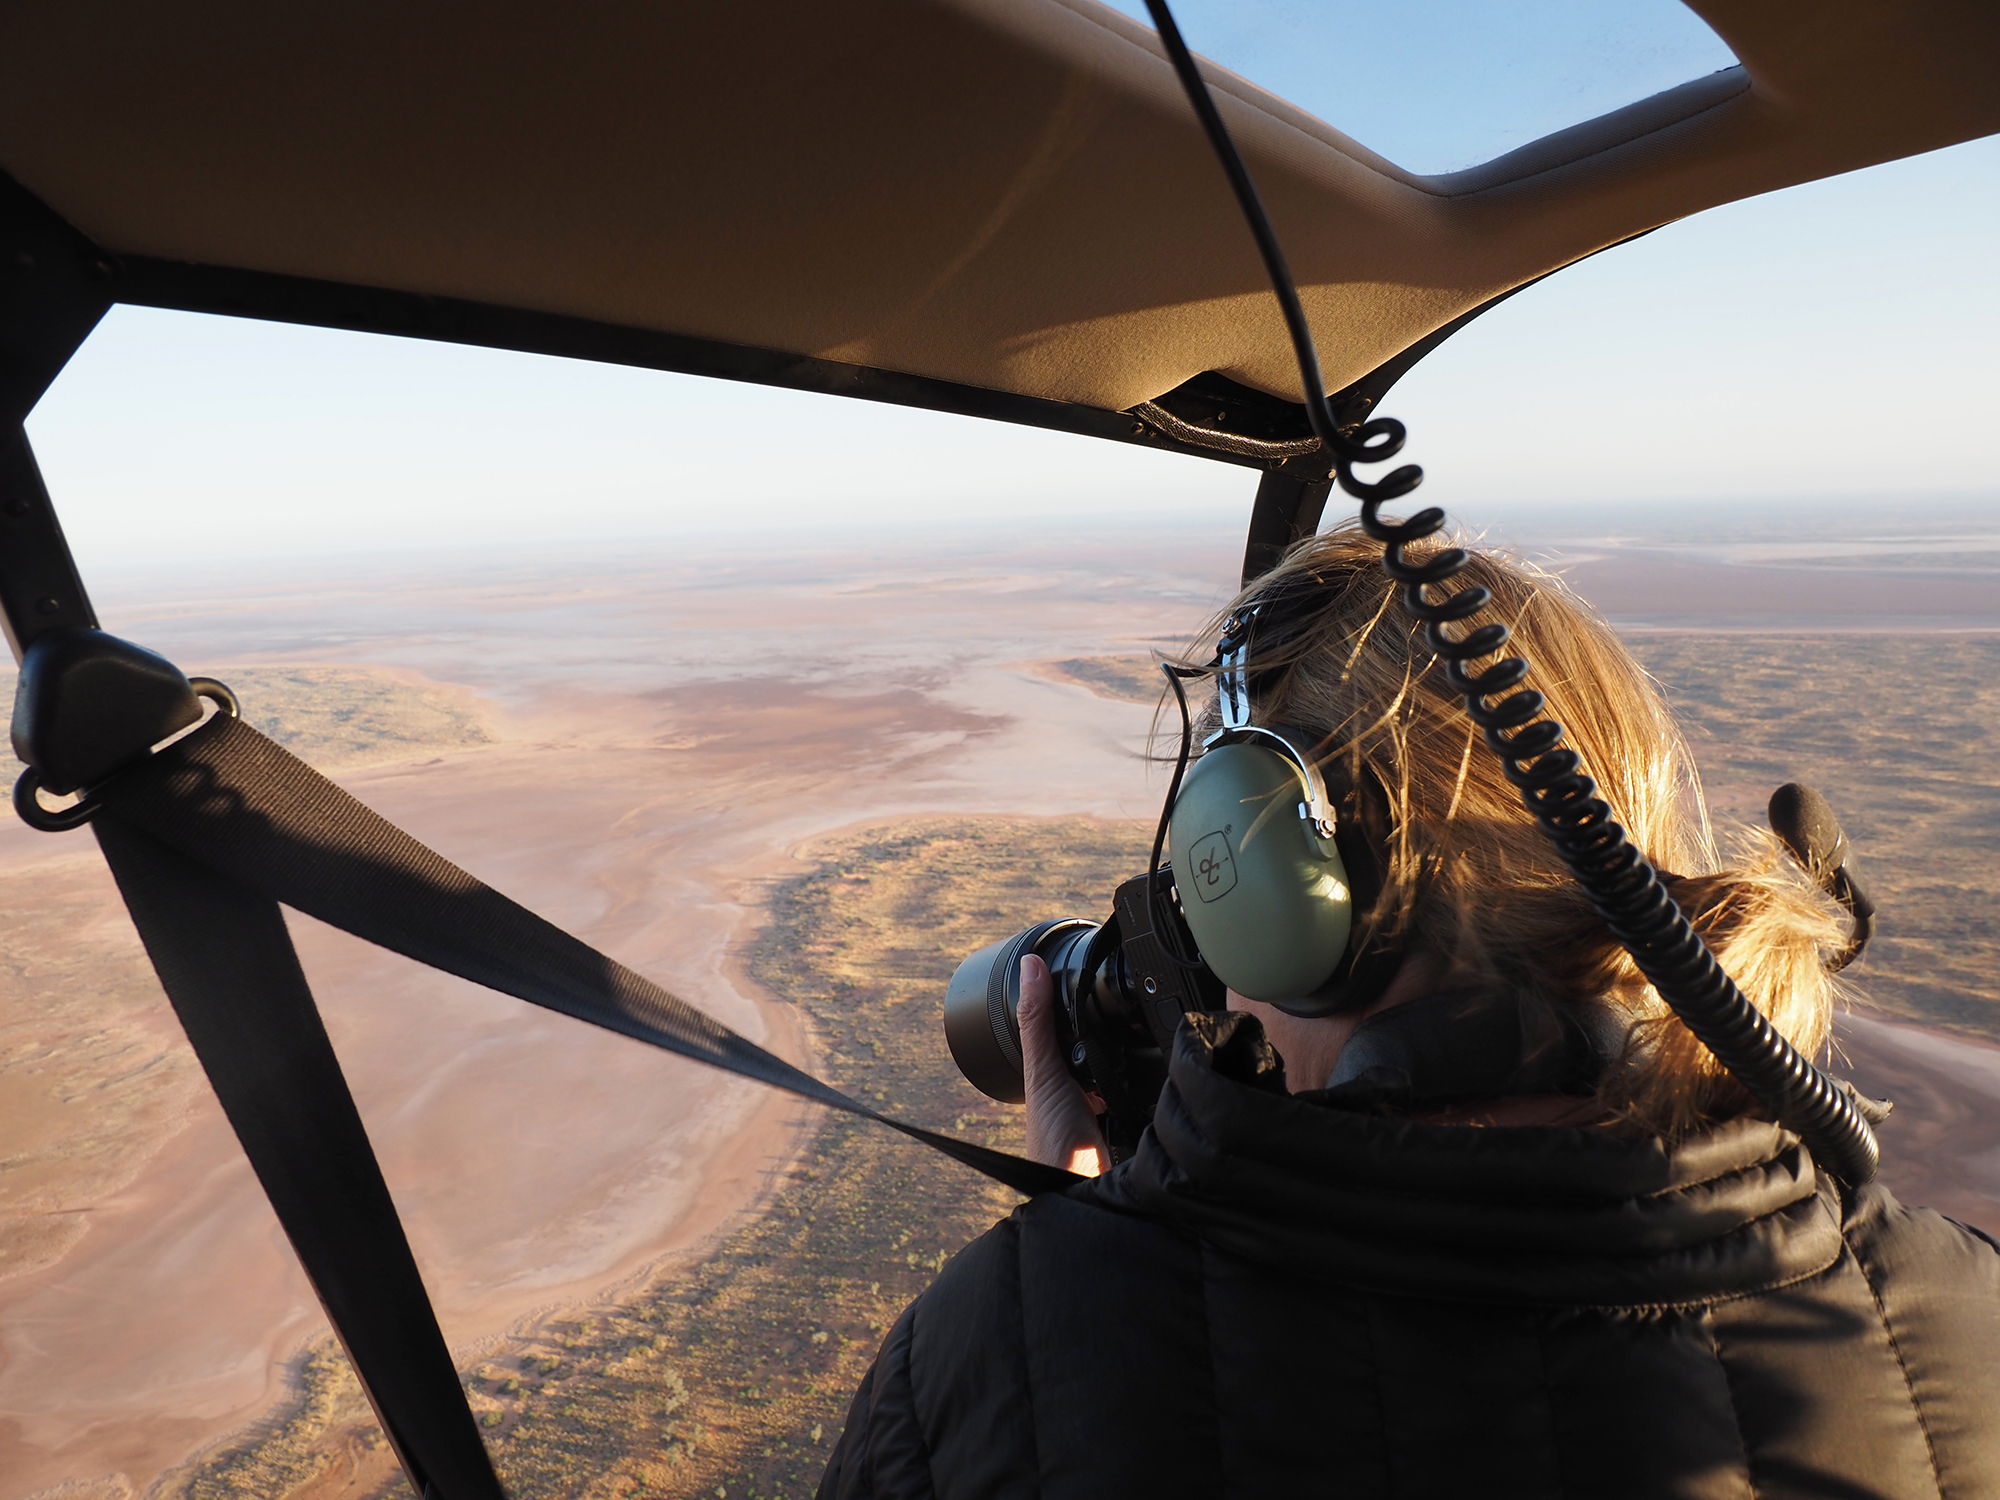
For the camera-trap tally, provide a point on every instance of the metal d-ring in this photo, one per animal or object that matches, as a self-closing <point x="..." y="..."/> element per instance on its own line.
<point x="28" y="803"/>
<point x="48" y="819"/>
<point x="217" y="693"/>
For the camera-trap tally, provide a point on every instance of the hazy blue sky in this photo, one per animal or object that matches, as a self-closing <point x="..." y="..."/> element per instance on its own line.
<point x="1838" y="339"/>
<point x="1435" y="85"/>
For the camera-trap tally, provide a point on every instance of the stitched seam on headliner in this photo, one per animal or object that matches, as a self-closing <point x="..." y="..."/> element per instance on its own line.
<point x="1409" y="179"/>
<point x="1418" y="181"/>
<point x="1735" y="1417"/>
<point x="1895" y="1348"/>
<point x="1749" y="84"/>
<point x="1972" y="1229"/>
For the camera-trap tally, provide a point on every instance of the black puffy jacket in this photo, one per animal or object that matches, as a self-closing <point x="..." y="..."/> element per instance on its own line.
<point x="1279" y="1297"/>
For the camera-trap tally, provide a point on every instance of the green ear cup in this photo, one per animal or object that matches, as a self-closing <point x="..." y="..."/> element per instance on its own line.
<point x="1267" y="900"/>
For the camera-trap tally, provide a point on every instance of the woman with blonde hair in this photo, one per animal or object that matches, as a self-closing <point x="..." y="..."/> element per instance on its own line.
<point x="1485" y="1218"/>
<point x="1472" y="893"/>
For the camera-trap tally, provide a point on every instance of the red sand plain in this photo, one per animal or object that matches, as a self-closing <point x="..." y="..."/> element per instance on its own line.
<point x="669" y="727"/>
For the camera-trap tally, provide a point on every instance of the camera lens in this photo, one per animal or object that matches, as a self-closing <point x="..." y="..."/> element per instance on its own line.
<point x="980" y="1002"/>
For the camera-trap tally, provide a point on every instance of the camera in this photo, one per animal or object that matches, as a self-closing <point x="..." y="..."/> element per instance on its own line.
<point x="1120" y="991"/>
<point x="1258" y="838"/>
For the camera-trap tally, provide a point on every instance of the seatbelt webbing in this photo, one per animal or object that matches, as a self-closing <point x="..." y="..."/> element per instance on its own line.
<point x="205" y="838"/>
<point x="227" y="964"/>
<point x="242" y="805"/>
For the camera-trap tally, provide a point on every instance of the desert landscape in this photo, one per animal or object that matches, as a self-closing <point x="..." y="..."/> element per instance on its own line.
<point x="795" y="785"/>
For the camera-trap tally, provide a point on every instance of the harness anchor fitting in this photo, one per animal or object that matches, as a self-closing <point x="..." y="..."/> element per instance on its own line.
<point x="87" y="706"/>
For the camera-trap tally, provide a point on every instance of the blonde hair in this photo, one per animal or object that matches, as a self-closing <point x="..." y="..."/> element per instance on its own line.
<point x="1469" y="878"/>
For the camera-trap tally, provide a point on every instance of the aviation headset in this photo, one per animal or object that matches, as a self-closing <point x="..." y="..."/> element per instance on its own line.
<point x="1278" y="868"/>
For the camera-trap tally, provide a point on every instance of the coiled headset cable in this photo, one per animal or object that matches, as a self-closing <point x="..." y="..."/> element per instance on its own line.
<point x="1619" y="880"/>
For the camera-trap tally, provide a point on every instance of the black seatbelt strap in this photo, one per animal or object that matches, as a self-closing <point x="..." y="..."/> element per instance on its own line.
<point x="227" y="964"/>
<point x="205" y="838"/>
<point x="248" y="809"/>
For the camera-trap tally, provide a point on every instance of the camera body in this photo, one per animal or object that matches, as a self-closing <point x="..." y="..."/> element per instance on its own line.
<point x="1120" y="995"/>
<point x="1254" y="896"/>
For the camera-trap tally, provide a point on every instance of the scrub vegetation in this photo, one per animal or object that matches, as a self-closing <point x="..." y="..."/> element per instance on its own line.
<point x="339" y="718"/>
<point x="731" y="1377"/>
<point x="336" y="718"/>
<point x="1130" y="679"/>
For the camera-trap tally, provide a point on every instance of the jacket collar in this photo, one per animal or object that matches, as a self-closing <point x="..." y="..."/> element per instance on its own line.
<point x="1534" y="1215"/>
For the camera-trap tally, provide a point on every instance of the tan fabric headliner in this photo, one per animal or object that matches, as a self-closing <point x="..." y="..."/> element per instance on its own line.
<point x="1006" y="193"/>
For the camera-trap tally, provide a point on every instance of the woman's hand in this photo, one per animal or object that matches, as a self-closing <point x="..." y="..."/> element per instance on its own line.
<point x="1062" y="1129"/>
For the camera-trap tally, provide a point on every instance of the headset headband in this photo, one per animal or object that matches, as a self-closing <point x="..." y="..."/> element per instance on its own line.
<point x="1232" y="690"/>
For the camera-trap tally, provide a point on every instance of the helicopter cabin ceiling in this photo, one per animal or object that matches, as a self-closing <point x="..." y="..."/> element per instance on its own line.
<point x="1007" y="194"/>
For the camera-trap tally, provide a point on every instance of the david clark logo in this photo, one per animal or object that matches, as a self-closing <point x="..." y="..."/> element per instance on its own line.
<point x="1214" y="868"/>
